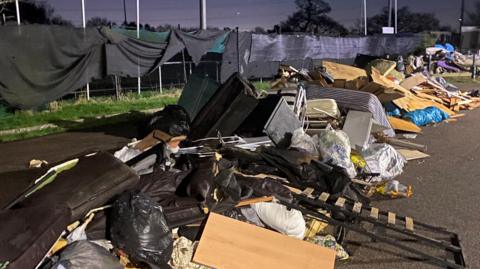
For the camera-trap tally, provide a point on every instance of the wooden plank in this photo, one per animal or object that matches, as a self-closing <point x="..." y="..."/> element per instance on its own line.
<point x="232" y="244"/>
<point x="340" y="202"/>
<point x="324" y="196"/>
<point x="374" y="213"/>
<point x="409" y="223"/>
<point x="413" y="81"/>
<point x="254" y="200"/>
<point x="412" y="103"/>
<point x="308" y="191"/>
<point x="411" y="154"/>
<point x="403" y="143"/>
<point x="391" y="218"/>
<point x="342" y="71"/>
<point x="403" y="125"/>
<point x="357" y="207"/>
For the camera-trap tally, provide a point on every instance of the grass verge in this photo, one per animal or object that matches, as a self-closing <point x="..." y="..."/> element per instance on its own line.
<point x="83" y="114"/>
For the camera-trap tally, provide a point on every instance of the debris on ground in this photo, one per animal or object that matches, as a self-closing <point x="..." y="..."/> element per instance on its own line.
<point x="243" y="179"/>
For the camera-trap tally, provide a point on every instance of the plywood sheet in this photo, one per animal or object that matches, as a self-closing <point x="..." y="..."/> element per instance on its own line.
<point x="411" y="154"/>
<point x="227" y="243"/>
<point x="413" y="81"/>
<point x="403" y="125"/>
<point x="412" y="103"/>
<point x="342" y="71"/>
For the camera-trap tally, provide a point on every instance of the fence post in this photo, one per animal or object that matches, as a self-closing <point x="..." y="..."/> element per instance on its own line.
<point x="139" y="82"/>
<point x="84" y="25"/>
<point x="238" y="50"/>
<point x="474" y="67"/>
<point x="160" y="78"/>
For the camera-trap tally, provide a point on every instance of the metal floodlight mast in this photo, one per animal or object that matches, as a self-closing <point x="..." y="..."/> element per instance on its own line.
<point x="365" y="16"/>
<point x="203" y="14"/>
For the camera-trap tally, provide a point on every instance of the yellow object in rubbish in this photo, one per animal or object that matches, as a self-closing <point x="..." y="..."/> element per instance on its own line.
<point x="314" y="227"/>
<point x="357" y="160"/>
<point x="395" y="189"/>
<point x="59" y="245"/>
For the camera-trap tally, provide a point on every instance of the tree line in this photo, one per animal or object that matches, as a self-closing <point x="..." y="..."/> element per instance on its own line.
<point x="310" y="16"/>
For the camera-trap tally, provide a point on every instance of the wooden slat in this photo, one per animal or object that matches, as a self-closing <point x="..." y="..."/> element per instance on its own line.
<point x="340" y="202"/>
<point x="391" y="218"/>
<point x="357" y="207"/>
<point x="232" y="244"/>
<point x="409" y="223"/>
<point x="412" y="154"/>
<point x="403" y="125"/>
<point x="308" y="191"/>
<point x="254" y="201"/>
<point x="324" y="196"/>
<point x="374" y="213"/>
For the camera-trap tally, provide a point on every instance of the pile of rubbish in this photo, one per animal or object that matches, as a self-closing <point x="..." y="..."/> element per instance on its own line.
<point x="443" y="58"/>
<point x="241" y="179"/>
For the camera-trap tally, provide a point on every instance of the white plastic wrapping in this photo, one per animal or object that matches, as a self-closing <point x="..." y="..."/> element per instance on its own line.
<point x="384" y="159"/>
<point x="279" y="218"/>
<point x="334" y="147"/>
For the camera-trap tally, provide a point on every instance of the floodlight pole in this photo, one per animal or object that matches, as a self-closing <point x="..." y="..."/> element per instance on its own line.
<point x="462" y="12"/>
<point x="396" y="17"/>
<point x="139" y="83"/>
<point x="17" y="7"/>
<point x="203" y="14"/>
<point x="84" y="24"/>
<point x="389" y="13"/>
<point x="365" y="16"/>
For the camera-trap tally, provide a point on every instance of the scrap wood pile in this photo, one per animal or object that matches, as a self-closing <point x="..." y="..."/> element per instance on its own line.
<point x="235" y="179"/>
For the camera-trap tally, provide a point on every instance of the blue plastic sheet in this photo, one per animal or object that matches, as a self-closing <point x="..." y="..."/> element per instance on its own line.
<point x="392" y="110"/>
<point x="425" y="116"/>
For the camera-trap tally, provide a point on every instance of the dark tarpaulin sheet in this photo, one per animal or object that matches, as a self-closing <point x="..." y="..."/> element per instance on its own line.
<point x="41" y="63"/>
<point x="64" y="59"/>
<point x="130" y="57"/>
<point x="197" y="44"/>
<point x="297" y="47"/>
<point x="229" y="59"/>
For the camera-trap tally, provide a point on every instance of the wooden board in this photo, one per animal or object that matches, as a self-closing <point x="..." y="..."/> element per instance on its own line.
<point x="231" y="244"/>
<point x="413" y="81"/>
<point x="403" y="125"/>
<point x="342" y="71"/>
<point x="411" y="154"/>
<point x="412" y="103"/>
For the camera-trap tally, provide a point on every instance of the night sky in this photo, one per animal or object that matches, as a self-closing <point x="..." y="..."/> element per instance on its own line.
<point x="243" y="13"/>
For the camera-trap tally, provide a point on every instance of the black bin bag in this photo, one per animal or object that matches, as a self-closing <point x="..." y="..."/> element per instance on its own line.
<point x="85" y="254"/>
<point x="139" y="227"/>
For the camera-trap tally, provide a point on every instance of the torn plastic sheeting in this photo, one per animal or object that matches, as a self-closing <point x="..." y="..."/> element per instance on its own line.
<point x="301" y="140"/>
<point x="384" y="159"/>
<point x="422" y="117"/>
<point x="139" y="228"/>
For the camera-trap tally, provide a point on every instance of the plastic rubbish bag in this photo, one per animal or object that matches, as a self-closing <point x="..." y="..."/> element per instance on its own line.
<point x="383" y="159"/>
<point x="329" y="241"/>
<point x="139" y="227"/>
<point x="279" y="218"/>
<point x="303" y="141"/>
<point x="334" y="147"/>
<point x="173" y="120"/>
<point x="85" y="254"/>
<point x="425" y="116"/>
